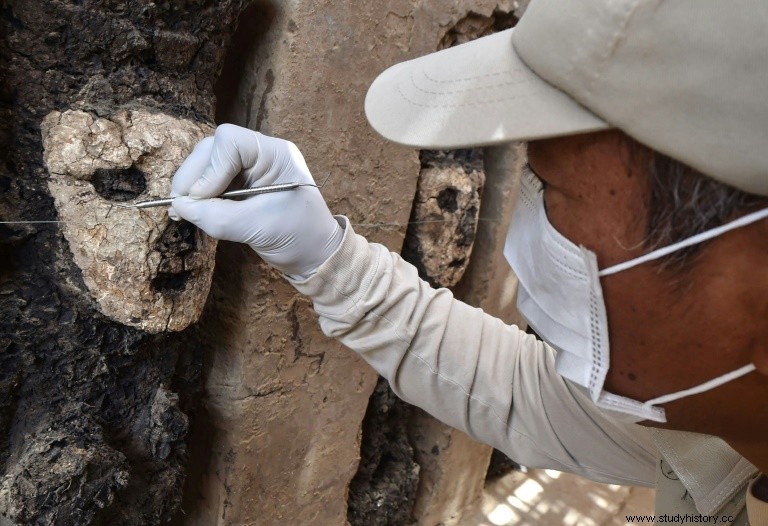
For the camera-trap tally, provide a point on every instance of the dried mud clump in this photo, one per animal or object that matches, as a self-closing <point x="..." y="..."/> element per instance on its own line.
<point x="142" y="269"/>
<point x="384" y="489"/>
<point x="445" y="215"/>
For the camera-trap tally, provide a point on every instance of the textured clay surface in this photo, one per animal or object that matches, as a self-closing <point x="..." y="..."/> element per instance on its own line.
<point x="143" y="269"/>
<point x="445" y="215"/>
<point x="384" y="488"/>
<point x="94" y="413"/>
<point x="284" y="404"/>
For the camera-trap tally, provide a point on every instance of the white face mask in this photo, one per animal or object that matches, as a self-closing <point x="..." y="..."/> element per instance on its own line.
<point x="560" y="296"/>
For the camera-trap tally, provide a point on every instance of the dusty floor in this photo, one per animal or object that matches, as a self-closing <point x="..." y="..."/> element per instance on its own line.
<point x="547" y="498"/>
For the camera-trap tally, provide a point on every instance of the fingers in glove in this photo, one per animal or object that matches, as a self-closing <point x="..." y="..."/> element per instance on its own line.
<point x="234" y="149"/>
<point x="192" y="167"/>
<point x="219" y="218"/>
<point x="190" y="171"/>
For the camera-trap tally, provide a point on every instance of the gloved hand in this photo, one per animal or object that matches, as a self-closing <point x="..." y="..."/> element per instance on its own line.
<point x="292" y="230"/>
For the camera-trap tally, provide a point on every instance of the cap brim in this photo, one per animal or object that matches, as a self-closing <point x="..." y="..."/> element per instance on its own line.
<point x="475" y="94"/>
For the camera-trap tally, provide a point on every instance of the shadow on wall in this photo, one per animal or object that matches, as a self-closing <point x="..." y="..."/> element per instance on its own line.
<point x="213" y="332"/>
<point x="245" y="50"/>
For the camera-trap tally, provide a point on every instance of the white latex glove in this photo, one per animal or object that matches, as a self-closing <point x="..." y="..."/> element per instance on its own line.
<point x="292" y="230"/>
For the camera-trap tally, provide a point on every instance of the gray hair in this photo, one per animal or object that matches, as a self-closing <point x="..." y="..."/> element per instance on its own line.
<point x="683" y="202"/>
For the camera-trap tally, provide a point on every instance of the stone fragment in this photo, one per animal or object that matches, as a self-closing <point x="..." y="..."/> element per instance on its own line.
<point x="445" y="215"/>
<point x="452" y="473"/>
<point x="175" y="49"/>
<point x="167" y="424"/>
<point x="384" y="489"/>
<point x="128" y="40"/>
<point x="71" y="457"/>
<point x="141" y="268"/>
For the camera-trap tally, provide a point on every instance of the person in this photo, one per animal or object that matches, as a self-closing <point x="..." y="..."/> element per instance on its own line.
<point x="638" y="240"/>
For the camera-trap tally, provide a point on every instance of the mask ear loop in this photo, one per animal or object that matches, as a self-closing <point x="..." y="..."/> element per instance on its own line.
<point x="656" y="254"/>
<point x="693" y="240"/>
<point x="706" y="386"/>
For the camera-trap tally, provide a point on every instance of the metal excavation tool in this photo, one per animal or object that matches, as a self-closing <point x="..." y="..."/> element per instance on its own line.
<point x="234" y="193"/>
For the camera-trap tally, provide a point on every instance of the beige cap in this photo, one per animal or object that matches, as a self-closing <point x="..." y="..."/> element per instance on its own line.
<point x="688" y="78"/>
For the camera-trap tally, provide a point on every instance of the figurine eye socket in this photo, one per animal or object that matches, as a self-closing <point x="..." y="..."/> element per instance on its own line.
<point x="119" y="184"/>
<point x="176" y="244"/>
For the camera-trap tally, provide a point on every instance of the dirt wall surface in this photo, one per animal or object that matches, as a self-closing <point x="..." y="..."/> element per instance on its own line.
<point x="92" y="411"/>
<point x="96" y="403"/>
<point x="283" y="404"/>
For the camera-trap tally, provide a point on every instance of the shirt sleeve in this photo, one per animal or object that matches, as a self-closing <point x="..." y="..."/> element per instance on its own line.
<point x="756" y="507"/>
<point x="469" y="369"/>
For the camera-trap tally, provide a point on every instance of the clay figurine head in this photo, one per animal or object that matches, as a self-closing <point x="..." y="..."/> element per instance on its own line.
<point x="141" y="268"/>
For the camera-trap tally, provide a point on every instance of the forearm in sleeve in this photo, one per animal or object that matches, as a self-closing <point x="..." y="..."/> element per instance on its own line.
<point x="469" y="369"/>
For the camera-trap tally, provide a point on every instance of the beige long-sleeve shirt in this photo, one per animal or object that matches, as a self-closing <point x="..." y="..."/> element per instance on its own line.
<point x="473" y="372"/>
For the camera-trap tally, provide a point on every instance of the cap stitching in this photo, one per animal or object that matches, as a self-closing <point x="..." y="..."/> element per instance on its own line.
<point x="613" y="42"/>
<point x="465" y="90"/>
<point x="466" y="104"/>
<point x="465" y="79"/>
